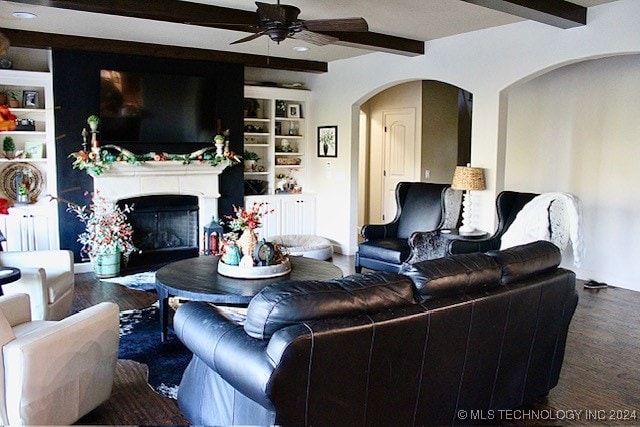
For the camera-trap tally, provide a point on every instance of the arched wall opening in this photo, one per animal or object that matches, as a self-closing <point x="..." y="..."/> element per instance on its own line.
<point x="575" y="129"/>
<point x="439" y="115"/>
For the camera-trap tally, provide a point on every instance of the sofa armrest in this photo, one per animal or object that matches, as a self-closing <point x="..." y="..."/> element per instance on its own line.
<point x="33" y="281"/>
<point x="225" y="348"/>
<point x="16" y="308"/>
<point x="75" y="357"/>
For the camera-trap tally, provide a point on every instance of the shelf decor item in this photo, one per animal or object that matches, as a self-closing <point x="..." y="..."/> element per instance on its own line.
<point x="250" y="161"/>
<point x="108" y="235"/>
<point x="33" y="150"/>
<point x="14" y="100"/>
<point x="9" y="147"/>
<point x="7" y="119"/>
<point x="18" y="172"/>
<point x="30" y="99"/>
<point x="22" y="191"/>
<point x="293" y="111"/>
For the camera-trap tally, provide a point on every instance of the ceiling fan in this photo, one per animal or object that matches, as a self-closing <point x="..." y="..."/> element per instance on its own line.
<point x="280" y="21"/>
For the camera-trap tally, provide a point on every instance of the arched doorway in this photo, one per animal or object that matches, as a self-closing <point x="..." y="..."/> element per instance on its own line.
<point x="413" y="131"/>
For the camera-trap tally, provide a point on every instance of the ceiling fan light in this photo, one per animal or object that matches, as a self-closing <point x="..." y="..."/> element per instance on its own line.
<point x="24" y="15"/>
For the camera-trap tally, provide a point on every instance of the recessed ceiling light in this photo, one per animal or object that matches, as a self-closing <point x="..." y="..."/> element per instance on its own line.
<point x="300" y="49"/>
<point x="24" y="15"/>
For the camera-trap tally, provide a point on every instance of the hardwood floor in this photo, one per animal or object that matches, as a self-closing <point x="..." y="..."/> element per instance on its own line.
<point x="599" y="383"/>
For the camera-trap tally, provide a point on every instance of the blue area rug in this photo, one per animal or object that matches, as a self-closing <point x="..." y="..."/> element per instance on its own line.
<point x="140" y="341"/>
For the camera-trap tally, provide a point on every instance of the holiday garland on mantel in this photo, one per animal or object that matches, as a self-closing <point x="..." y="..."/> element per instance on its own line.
<point x="96" y="162"/>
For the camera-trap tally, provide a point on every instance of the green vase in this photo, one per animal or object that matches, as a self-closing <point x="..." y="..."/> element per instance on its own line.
<point x="107" y="265"/>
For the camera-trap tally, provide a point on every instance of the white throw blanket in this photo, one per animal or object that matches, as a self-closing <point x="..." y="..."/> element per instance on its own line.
<point x="559" y="223"/>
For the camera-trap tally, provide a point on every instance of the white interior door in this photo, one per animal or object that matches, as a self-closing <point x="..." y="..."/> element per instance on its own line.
<point x="399" y="150"/>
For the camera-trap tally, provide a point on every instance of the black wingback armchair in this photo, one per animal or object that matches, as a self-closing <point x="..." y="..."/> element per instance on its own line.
<point x="508" y="204"/>
<point x="386" y="246"/>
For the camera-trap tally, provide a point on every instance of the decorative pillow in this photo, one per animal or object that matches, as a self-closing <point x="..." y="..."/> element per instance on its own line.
<point x="522" y="261"/>
<point x="465" y="273"/>
<point x="287" y="303"/>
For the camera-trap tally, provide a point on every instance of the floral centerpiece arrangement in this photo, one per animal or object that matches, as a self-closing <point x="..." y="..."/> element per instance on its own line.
<point x="107" y="230"/>
<point x="241" y="250"/>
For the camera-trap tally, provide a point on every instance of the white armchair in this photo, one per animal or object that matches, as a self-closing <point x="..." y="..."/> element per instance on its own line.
<point x="47" y="276"/>
<point x="53" y="373"/>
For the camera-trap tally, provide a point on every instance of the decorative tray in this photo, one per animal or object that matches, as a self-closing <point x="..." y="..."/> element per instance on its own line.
<point x="266" y="272"/>
<point x="14" y="172"/>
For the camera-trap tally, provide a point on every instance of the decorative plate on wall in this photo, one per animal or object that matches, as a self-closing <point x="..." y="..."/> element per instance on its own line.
<point x="20" y="171"/>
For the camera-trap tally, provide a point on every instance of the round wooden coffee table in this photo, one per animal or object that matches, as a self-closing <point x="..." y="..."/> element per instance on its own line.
<point x="198" y="279"/>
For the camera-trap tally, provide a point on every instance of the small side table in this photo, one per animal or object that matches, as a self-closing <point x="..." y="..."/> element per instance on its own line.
<point x="8" y="275"/>
<point x="454" y="234"/>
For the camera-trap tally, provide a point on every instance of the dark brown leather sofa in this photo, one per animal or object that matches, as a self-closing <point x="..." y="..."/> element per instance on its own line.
<point x="470" y="332"/>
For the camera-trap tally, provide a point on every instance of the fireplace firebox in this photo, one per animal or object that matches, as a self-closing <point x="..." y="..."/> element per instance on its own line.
<point x="165" y="228"/>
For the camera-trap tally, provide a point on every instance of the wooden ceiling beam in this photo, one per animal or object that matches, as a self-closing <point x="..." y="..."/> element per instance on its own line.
<point x="32" y="39"/>
<point x="225" y="18"/>
<point x="559" y="13"/>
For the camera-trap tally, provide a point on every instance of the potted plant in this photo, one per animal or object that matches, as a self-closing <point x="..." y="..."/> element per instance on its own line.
<point x="93" y="121"/>
<point x="14" y="99"/>
<point x="108" y="234"/>
<point x="250" y="160"/>
<point x="9" y="147"/>
<point x="23" y="193"/>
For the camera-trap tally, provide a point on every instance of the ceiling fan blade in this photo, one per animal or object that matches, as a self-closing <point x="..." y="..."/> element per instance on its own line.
<point x="249" y="38"/>
<point x="341" y="24"/>
<point x="314" y="38"/>
<point x="217" y="24"/>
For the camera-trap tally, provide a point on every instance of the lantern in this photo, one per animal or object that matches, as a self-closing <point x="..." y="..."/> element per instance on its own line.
<point x="212" y="237"/>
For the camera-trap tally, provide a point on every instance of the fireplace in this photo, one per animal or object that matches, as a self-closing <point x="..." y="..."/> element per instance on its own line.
<point x="165" y="228"/>
<point x="158" y="183"/>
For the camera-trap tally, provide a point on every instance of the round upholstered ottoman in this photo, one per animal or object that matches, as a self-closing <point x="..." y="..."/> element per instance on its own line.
<point x="305" y="245"/>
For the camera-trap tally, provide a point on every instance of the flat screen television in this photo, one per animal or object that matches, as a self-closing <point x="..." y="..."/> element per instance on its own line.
<point x="146" y="109"/>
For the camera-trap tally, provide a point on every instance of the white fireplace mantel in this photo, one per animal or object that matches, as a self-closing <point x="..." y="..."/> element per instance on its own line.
<point x="123" y="180"/>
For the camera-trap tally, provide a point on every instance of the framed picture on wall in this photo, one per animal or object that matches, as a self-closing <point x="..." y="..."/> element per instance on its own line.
<point x="327" y="141"/>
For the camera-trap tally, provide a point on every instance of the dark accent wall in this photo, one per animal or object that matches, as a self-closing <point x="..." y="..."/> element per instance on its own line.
<point x="76" y="87"/>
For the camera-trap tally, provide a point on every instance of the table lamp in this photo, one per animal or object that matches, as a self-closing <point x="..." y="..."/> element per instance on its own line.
<point x="467" y="178"/>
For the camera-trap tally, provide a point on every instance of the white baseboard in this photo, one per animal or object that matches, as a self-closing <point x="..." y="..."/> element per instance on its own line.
<point x="82" y="267"/>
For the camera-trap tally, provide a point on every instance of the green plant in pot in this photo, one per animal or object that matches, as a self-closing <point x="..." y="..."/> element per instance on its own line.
<point x="14" y="99"/>
<point x="250" y="160"/>
<point x="93" y="121"/>
<point x="23" y="194"/>
<point x="9" y="147"/>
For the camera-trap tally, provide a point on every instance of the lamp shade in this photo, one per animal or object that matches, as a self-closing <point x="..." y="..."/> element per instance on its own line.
<point x="468" y="178"/>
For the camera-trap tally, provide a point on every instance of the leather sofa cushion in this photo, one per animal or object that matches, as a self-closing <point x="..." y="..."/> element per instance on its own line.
<point x="287" y="303"/>
<point x="395" y="251"/>
<point x="457" y="274"/>
<point x="522" y="261"/>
